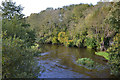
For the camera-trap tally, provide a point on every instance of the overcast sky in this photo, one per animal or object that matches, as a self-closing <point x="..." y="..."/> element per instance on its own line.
<point x="35" y="6"/>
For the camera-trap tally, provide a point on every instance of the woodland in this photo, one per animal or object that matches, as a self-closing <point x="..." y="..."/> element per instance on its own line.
<point x="78" y="25"/>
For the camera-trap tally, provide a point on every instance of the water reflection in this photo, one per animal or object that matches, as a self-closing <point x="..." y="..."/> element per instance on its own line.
<point x="61" y="61"/>
<point x="55" y="62"/>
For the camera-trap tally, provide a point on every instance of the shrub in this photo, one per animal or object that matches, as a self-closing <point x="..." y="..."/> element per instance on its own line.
<point x="79" y="40"/>
<point x="20" y="29"/>
<point x="18" y="61"/>
<point x="79" y="43"/>
<point x="90" y="42"/>
<point x="61" y="37"/>
<point x="68" y="43"/>
<point x="41" y="40"/>
<point x="115" y="55"/>
<point x="36" y="49"/>
<point x="48" y="40"/>
<point x="54" y="40"/>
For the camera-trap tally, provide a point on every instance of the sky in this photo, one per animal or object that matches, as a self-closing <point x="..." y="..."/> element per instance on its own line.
<point x="36" y="6"/>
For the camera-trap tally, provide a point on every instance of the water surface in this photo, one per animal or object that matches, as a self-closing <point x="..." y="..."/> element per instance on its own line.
<point x="60" y="62"/>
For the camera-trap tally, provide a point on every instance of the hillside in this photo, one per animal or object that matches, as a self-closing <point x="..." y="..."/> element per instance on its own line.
<point x="84" y="24"/>
<point x="57" y="40"/>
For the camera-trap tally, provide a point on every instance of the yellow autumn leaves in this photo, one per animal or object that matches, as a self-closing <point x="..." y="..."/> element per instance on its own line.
<point x="63" y="39"/>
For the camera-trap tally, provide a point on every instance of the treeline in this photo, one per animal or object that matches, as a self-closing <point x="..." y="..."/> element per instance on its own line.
<point x="80" y="25"/>
<point x="83" y="25"/>
<point x="18" y="41"/>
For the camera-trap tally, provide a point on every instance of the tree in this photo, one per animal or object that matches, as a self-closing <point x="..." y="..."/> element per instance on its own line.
<point x="111" y="25"/>
<point x="114" y="18"/>
<point x="14" y="24"/>
<point x="10" y="9"/>
<point x="114" y="51"/>
<point x="17" y="39"/>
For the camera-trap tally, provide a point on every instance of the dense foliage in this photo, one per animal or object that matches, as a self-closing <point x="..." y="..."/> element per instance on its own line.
<point x="115" y="55"/>
<point x="18" y="62"/>
<point x="83" y="25"/>
<point x="78" y="23"/>
<point x="20" y="29"/>
<point x="17" y="40"/>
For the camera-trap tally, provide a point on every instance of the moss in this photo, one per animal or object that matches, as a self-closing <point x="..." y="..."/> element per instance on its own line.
<point x="104" y="54"/>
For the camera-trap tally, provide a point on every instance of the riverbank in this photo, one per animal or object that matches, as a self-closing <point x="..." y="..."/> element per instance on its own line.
<point x="61" y="60"/>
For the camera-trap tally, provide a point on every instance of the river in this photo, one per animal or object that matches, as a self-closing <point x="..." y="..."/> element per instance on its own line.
<point x="58" y="61"/>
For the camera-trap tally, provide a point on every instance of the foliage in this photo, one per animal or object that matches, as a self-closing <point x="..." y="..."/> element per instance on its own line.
<point x="68" y="43"/>
<point x="104" y="54"/>
<point x="79" y="25"/>
<point x="114" y="51"/>
<point x="13" y="23"/>
<point x="62" y="37"/>
<point x="17" y="61"/>
<point x="36" y="49"/>
<point x="78" y="40"/>
<point x="10" y="10"/>
<point x="114" y="22"/>
<point x="55" y="40"/>
<point x="90" y="42"/>
<point x="79" y="43"/>
<point x="20" y="29"/>
<point x="42" y="40"/>
<point x="87" y="62"/>
<point x="114" y="17"/>
<point x="17" y="44"/>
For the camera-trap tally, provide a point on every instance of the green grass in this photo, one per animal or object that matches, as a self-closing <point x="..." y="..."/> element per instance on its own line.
<point x="104" y="54"/>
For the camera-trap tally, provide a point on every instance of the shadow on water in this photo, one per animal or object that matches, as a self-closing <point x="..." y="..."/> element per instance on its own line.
<point x="60" y="62"/>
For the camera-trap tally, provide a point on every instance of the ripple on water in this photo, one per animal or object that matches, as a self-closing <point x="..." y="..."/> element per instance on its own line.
<point x="60" y="62"/>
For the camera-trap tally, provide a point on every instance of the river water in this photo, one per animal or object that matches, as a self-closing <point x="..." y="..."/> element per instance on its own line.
<point x="60" y="62"/>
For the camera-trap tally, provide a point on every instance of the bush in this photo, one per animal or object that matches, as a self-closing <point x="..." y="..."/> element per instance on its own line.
<point x="79" y="43"/>
<point x="20" y="29"/>
<point x="61" y="37"/>
<point x="18" y="61"/>
<point x="41" y="40"/>
<point x="36" y="49"/>
<point x="115" y="55"/>
<point x="64" y="39"/>
<point x="90" y="42"/>
<point x="55" y="40"/>
<point x="48" y="40"/>
<point x="68" y="43"/>
<point x="79" y="40"/>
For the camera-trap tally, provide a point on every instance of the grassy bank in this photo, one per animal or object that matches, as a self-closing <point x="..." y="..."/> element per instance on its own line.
<point x="103" y="54"/>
